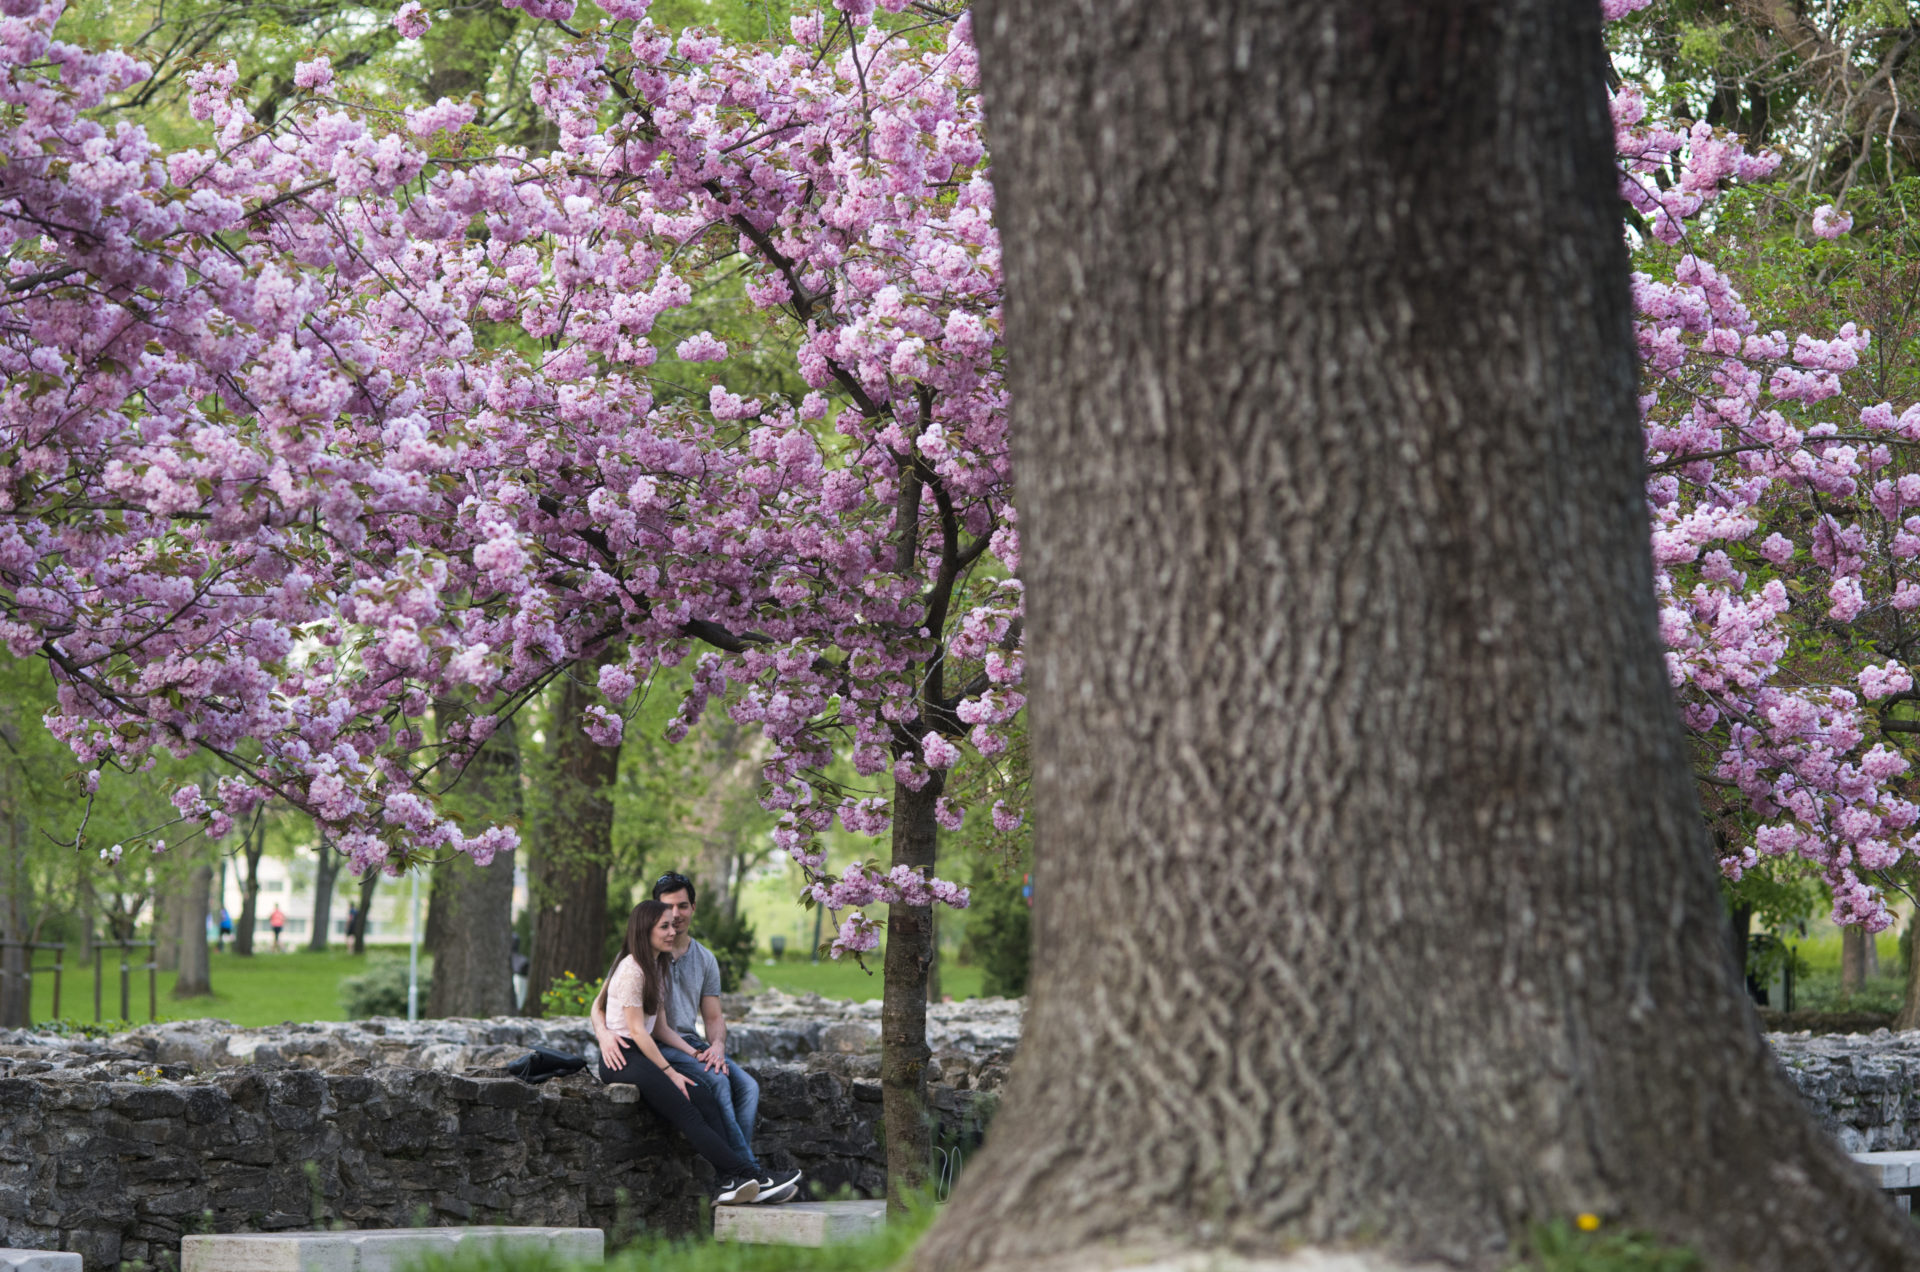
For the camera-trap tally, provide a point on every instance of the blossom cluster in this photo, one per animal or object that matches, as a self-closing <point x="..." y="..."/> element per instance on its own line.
<point x="274" y="486"/>
<point x="1785" y="539"/>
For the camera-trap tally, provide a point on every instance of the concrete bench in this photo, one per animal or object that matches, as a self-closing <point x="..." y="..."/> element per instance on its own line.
<point x="803" y="1223"/>
<point x="38" y="1261"/>
<point x="375" y="1249"/>
<point x="1897" y="1173"/>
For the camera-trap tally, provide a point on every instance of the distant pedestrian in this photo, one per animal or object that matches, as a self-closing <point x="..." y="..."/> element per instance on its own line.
<point x="353" y="919"/>
<point x="276" y="921"/>
<point x="226" y="928"/>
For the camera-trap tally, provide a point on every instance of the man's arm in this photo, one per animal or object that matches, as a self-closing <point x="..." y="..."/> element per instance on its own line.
<point x="715" y="1055"/>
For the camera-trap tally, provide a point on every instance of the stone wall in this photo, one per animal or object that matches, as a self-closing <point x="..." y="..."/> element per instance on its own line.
<point x="117" y="1147"/>
<point x="1864" y="1088"/>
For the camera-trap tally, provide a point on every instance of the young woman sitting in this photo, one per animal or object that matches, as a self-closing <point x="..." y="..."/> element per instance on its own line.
<point x="630" y="999"/>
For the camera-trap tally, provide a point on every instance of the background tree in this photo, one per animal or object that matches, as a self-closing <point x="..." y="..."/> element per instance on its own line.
<point x="1337" y="529"/>
<point x="470" y="915"/>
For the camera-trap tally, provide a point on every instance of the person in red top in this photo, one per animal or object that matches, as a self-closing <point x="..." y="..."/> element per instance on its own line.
<point x="276" y="921"/>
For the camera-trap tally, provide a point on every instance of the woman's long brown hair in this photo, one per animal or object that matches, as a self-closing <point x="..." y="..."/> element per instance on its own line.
<point x="652" y="963"/>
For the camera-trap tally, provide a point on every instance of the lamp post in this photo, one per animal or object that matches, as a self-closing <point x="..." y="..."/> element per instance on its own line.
<point x="413" y="951"/>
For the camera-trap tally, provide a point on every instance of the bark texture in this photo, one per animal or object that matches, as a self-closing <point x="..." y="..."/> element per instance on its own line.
<point x="470" y="918"/>
<point x="190" y="911"/>
<point x="1373" y="901"/>
<point x="903" y="1001"/>
<point x="569" y="882"/>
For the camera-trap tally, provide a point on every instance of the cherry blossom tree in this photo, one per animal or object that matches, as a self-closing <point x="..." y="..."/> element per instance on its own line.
<point x="329" y="444"/>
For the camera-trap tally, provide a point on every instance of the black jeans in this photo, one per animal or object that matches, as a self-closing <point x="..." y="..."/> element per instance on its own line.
<point x="698" y="1118"/>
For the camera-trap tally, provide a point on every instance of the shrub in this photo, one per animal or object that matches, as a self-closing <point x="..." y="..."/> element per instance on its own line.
<point x="381" y="990"/>
<point x="999" y="932"/>
<point x="568" y="995"/>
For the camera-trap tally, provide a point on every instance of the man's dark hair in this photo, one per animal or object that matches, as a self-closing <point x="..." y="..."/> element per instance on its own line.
<point x="674" y="881"/>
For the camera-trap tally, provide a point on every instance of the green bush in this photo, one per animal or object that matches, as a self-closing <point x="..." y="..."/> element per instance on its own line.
<point x="568" y="996"/>
<point x="730" y="939"/>
<point x="381" y="990"/>
<point x="999" y="932"/>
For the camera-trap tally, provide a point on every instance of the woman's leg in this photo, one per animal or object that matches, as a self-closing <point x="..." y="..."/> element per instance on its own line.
<point x="664" y="1098"/>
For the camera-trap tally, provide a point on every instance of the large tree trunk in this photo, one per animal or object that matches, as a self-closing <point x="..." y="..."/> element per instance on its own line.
<point x="190" y="929"/>
<point x="327" y="871"/>
<point x="569" y="881"/>
<point x="1373" y="902"/>
<point x="470" y="917"/>
<point x="903" y="1005"/>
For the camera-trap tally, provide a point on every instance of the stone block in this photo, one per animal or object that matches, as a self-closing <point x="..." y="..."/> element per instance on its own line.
<point x="393" y="1249"/>
<point x="268" y="1252"/>
<point x="806" y="1223"/>
<point x="39" y="1261"/>
<point x="1892" y="1170"/>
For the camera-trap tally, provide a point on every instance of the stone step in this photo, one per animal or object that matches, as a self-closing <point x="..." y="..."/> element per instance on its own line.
<point x="374" y="1249"/>
<point x="38" y="1261"/>
<point x="1896" y="1171"/>
<point x="800" y="1223"/>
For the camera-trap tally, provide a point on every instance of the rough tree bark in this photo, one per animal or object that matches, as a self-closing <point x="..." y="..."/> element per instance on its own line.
<point x="569" y="881"/>
<point x="327" y="869"/>
<point x="189" y="912"/>
<point x="1343" y="640"/>
<point x="903" y="1001"/>
<point x="470" y="918"/>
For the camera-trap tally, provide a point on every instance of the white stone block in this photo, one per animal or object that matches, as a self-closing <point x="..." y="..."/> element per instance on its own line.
<point x="267" y="1252"/>
<point x="1895" y="1169"/>
<point x="371" y="1249"/>
<point x="38" y="1261"/>
<point x="392" y="1249"/>
<point x="805" y="1223"/>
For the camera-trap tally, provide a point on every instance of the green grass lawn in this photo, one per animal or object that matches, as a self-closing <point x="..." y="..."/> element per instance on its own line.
<point x="270" y="988"/>
<point x="263" y="990"/>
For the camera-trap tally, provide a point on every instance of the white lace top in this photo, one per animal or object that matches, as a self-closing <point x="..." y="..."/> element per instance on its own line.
<point x="626" y="988"/>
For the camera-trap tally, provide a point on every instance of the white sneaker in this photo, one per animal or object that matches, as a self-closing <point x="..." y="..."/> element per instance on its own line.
<point x="737" y="1192"/>
<point x="779" y="1186"/>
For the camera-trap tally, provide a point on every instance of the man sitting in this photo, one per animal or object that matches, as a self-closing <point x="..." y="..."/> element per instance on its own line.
<point x="693" y="993"/>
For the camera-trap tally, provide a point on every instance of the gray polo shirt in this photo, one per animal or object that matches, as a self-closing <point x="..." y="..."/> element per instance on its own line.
<point x="693" y="975"/>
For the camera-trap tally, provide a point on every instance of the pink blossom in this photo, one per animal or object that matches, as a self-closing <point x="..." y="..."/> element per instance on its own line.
<point x="411" y="21"/>
<point x="1829" y="223"/>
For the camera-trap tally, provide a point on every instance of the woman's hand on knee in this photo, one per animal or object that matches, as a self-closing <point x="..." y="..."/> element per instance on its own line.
<point x="680" y="1080"/>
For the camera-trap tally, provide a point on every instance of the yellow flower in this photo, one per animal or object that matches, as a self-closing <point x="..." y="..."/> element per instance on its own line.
<point x="1587" y="1221"/>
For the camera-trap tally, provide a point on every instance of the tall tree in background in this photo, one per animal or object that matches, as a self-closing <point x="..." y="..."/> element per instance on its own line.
<point x="470" y="919"/>
<point x="1344" y="641"/>
<point x="326" y="870"/>
<point x="568" y="877"/>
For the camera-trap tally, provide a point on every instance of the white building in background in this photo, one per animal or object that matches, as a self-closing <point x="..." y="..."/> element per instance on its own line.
<point x="289" y="885"/>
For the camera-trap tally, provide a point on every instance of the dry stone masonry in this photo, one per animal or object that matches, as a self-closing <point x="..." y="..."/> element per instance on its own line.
<point x="117" y="1148"/>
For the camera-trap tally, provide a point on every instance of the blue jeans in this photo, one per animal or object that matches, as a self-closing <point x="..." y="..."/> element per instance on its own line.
<point x="735" y="1091"/>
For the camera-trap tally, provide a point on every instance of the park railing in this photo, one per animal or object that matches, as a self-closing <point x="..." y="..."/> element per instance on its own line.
<point x="127" y="968"/>
<point x="17" y="972"/>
